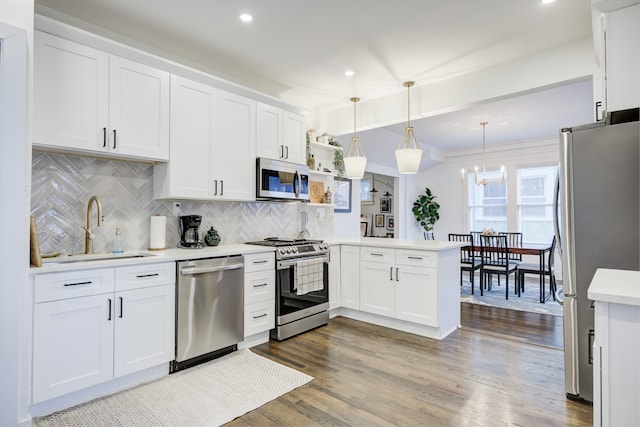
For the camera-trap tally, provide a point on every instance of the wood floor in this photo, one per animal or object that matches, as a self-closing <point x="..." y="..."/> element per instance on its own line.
<point x="370" y="375"/>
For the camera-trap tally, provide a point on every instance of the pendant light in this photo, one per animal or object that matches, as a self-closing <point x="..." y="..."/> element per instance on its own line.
<point x="355" y="160"/>
<point x="408" y="155"/>
<point x="484" y="180"/>
<point x="373" y="184"/>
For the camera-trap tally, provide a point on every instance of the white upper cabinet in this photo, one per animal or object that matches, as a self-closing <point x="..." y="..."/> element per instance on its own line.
<point x="88" y="101"/>
<point x="212" y="145"/>
<point x="280" y="134"/>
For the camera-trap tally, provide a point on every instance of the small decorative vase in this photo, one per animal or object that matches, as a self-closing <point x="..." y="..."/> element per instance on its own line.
<point x="212" y="238"/>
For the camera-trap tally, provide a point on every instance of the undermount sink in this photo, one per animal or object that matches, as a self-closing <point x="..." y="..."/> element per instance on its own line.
<point x="94" y="257"/>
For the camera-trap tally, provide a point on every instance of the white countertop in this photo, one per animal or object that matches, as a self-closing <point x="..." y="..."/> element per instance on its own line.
<point x="168" y="255"/>
<point x="616" y="286"/>
<point x="379" y="242"/>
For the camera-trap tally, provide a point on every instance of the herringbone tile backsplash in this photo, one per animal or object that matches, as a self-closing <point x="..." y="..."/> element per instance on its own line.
<point x="62" y="186"/>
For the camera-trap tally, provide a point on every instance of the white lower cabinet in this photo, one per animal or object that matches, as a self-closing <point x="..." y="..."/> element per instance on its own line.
<point x="87" y="333"/>
<point x="350" y="276"/>
<point x="334" y="277"/>
<point x="399" y="283"/>
<point x="259" y="293"/>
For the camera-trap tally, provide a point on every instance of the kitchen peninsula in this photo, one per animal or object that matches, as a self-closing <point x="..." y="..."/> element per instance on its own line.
<point x="409" y="285"/>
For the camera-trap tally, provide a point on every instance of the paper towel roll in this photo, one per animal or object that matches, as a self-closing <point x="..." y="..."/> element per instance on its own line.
<point x="158" y="233"/>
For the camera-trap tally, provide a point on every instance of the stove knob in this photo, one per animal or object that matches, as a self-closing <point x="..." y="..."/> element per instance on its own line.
<point x="282" y="251"/>
<point x="294" y="250"/>
<point x="288" y="250"/>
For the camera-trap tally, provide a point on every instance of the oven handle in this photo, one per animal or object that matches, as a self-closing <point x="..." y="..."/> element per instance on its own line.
<point x="189" y="271"/>
<point x="284" y="264"/>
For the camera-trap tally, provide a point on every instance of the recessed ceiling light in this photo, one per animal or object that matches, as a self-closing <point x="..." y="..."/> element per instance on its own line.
<point x="349" y="73"/>
<point x="547" y="1"/>
<point x="245" y="17"/>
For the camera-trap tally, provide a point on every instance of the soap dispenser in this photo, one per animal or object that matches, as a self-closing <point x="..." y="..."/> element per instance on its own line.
<point x="117" y="243"/>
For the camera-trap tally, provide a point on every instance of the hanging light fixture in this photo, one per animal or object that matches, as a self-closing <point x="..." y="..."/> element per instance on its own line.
<point x="355" y="160"/>
<point x="373" y="184"/>
<point x="408" y="156"/>
<point x="484" y="180"/>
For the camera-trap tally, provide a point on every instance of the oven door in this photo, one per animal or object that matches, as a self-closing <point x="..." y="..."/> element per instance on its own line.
<point x="289" y="305"/>
<point x="281" y="180"/>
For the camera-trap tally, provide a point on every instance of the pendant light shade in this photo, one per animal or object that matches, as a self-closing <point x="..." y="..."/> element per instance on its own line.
<point x="408" y="155"/>
<point x="355" y="161"/>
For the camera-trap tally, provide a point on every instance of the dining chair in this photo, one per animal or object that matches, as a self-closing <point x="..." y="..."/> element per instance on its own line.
<point x="469" y="260"/>
<point x="541" y="271"/>
<point x="514" y="239"/>
<point x="495" y="260"/>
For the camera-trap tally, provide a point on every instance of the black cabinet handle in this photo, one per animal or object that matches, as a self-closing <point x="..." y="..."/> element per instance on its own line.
<point x="282" y="151"/>
<point x="260" y="285"/>
<point x="397" y="269"/>
<point x="114" y="138"/>
<point x="121" y="307"/>
<point x="262" y="315"/>
<point x="390" y="273"/>
<point x="415" y="257"/>
<point x="78" y="283"/>
<point x="598" y="106"/>
<point x="140" y="276"/>
<point x="215" y="188"/>
<point x="591" y="339"/>
<point x="104" y="137"/>
<point x="222" y="187"/>
<point x="262" y="261"/>
<point x="109" y="318"/>
<point x="286" y="148"/>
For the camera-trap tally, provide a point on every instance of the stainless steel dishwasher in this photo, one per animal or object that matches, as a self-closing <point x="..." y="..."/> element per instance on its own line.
<point x="209" y="309"/>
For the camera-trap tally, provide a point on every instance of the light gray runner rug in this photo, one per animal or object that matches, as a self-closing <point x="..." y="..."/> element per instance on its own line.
<point x="210" y="394"/>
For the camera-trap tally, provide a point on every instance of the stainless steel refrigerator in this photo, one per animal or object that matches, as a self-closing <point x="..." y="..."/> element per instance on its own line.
<point x="598" y="226"/>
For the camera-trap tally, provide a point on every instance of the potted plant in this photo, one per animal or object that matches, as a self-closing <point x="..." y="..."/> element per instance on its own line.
<point x="425" y="209"/>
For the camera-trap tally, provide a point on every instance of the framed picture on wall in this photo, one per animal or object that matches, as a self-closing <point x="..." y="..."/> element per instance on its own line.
<point x="379" y="220"/>
<point x="389" y="222"/>
<point x="342" y="195"/>
<point x="385" y="205"/>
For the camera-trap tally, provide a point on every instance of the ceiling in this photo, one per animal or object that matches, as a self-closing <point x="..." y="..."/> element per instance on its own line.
<point x="298" y="51"/>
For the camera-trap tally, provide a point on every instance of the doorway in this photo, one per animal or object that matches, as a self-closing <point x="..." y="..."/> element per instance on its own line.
<point x="377" y="205"/>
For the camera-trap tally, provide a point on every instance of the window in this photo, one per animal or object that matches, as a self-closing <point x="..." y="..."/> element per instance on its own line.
<point x="535" y="203"/>
<point x="487" y="204"/>
<point x="528" y="210"/>
<point x="366" y="197"/>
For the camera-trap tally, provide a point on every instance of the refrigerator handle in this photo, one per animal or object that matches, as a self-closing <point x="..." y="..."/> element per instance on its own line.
<point x="556" y="213"/>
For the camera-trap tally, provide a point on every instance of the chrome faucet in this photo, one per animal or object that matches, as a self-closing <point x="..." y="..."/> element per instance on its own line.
<point x="89" y="236"/>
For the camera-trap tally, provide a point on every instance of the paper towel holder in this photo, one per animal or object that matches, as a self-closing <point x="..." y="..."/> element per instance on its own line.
<point x="157" y="233"/>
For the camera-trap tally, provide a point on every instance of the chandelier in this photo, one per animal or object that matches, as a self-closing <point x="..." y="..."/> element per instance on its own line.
<point x="355" y="160"/>
<point x="408" y="155"/>
<point x="484" y="180"/>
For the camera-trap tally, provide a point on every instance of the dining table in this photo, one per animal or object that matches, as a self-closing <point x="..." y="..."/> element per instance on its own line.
<point x="539" y="249"/>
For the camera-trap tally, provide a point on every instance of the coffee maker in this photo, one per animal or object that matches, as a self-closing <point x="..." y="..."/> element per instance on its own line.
<point x="189" y="231"/>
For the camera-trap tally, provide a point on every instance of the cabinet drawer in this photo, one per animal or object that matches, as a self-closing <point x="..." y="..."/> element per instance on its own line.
<point x="259" y="286"/>
<point x="416" y="258"/>
<point x="144" y="276"/>
<point x="259" y="317"/>
<point x="378" y="255"/>
<point x="73" y="284"/>
<point x="257" y="262"/>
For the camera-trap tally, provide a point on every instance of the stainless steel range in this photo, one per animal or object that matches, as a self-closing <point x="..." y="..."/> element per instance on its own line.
<point x="302" y="285"/>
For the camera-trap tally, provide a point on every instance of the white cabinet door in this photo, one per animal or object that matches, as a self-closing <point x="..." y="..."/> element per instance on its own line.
<point x="416" y="295"/>
<point x="334" y="278"/>
<point x="350" y="276"/>
<point x="138" y="110"/>
<point x="622" y="58"/>
<point x="234" y="166"/>
<point x="144" y="328"/>
<point x="269" y="132"/>
<point x="294" y="137"/>
<point x="188" y="173"/>
<point x="72" y="345"/>
<point x="377" y="288"/>
<point x="71" y="94"/>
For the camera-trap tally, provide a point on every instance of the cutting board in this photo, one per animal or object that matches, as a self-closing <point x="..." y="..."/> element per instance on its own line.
<point x="36" y="258"/>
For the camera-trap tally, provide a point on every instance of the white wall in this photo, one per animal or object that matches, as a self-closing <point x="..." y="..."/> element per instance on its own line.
<point x="16" y="33"/>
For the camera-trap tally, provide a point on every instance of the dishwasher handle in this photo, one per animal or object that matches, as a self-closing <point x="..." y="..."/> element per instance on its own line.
<point x="202" y="270"/>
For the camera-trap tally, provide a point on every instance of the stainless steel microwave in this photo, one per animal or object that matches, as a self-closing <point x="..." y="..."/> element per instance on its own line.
<point x="278" y="180"/>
